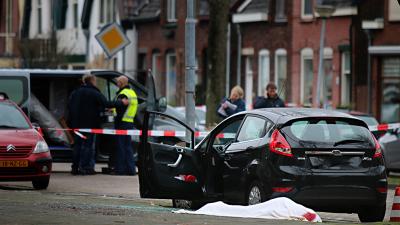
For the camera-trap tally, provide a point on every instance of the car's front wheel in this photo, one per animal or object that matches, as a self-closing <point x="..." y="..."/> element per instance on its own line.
<point x="372" y="214"/>
<point x="255" y="194"/>
<point x="40" y="184"/>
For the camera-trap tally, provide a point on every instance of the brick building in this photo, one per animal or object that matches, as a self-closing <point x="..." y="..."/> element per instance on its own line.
<point x="281" y="44"/>
<point x="376" y="36"/>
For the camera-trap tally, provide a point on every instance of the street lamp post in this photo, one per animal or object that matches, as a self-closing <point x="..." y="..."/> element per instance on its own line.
<point x="324" y="11"/>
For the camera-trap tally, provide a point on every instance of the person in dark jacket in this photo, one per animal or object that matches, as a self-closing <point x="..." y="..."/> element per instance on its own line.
<point x="233" y="104"/>
<point x="85" y="108"/>
<point x="271" y="99"/>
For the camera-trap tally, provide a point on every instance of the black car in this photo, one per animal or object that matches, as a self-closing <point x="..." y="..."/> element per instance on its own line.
<point x="325" y="160"/>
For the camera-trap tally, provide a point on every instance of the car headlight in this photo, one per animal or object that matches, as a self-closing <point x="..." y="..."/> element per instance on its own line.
<point x="41" y="147"/>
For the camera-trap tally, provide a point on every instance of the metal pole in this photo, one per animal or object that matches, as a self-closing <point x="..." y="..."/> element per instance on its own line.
<point x="228" y="60"/>
<point x="369" y="83"/>
<point x="320" y="78"/>
<point x="190" y="65"/>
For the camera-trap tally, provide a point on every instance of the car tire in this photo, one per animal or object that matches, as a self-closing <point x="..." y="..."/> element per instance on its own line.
<point x="186" y="204"/>
<point x="255" y="193"/>
<point x="372" y="214"/>
<point x="41" y="184"/>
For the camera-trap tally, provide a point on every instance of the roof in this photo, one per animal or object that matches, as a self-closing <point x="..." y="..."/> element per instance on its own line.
<point x="283" y="115"/>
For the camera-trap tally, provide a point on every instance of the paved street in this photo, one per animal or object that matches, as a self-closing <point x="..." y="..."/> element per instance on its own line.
<point x="105" y="199"/>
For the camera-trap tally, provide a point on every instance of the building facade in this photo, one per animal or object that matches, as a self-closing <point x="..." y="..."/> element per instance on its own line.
<point x="376" y="57"/>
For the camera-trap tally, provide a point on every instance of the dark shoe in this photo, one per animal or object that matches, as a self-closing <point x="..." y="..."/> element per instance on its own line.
<point x="75" y="171"/>
<point x="87" y="172"/>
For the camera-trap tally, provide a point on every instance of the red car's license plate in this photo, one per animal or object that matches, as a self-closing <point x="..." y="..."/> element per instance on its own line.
<point x="14" y="163"/>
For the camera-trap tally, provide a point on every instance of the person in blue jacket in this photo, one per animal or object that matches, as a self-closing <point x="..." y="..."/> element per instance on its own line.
<point x="233" y="104"/>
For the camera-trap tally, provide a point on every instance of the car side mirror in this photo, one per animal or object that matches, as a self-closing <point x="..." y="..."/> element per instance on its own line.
<point x="162" y="104"/>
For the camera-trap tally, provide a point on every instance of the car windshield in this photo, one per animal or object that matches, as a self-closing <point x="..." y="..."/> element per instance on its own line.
<point x="332" y="131"/>
<point x="11" y="117"/>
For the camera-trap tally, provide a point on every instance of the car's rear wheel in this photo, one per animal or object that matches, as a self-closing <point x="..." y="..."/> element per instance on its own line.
<point x="186" y="204"/>
<point x="372" y="214"/>
<point x="40" y="184"/>
<point x="255" y="193"/>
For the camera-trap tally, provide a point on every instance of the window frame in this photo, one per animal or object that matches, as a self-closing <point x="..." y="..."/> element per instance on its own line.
<point x="264" y="130"/>
<point x="305" y="16"/>
<point x="75" y="14"/>
<point x="280" y="15"/>
<point x="40" y="16"/>
<point x="167" y="81"/>
<point x="171" y="11"/>
<point x="280" y="52"/>
<point x="345" y="73"/>
<point x="305" y="54"/>
<point x="261" y="87"/>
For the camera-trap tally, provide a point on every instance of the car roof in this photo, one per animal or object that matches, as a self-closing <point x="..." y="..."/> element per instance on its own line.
<point x="284" y="115"/>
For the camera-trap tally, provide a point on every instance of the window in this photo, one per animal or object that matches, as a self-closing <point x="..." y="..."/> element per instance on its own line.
<point x="107" y="9"/>
<point x="10" y="116"/>
<point x="9" y="28"/>
<point x="39" y="11"/>
<point x="253" y="128"/>
<point x="327" y="74"/>
<point x="227" y="134"/>
<point x="75" y="13"/>
<point x="15" y="87"/>
<point x="390" y="108"/>
<point x="249" y="81"/>
<point x="307" y="76"/>
<point x="394" y="10"/>
<point x="346" y="79"/>
<point x="156" y="70"/>
<point x="281" y="72"/>
<point x="263" y="71"/>
<point x="171" y="10"/>
<point x="327" y="131"/>
<point x="171" y="79"/>
<point x="280" y="11"/>
<point x="307" y="9"/>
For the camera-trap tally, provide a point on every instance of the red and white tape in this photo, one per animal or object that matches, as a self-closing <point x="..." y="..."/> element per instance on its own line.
<point x="384" y="127"/>
<point x="172" y="133"/>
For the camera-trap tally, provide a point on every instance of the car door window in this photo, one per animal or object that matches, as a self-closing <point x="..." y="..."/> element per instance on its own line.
<point x="226" y="134"/>
<point x="253" y="128"/>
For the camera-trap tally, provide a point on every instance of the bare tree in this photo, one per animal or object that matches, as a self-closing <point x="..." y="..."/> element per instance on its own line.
<point x="219" y="12"/>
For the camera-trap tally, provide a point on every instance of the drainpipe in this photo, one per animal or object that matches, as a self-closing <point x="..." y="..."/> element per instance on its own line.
<point x="228" y="60"/>
<point x="239" y="54"/>
<point x="369" y="78"/>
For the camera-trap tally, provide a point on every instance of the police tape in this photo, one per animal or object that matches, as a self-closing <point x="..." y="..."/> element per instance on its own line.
<point x="173" y="133"/>
<point x="152" y="133"/>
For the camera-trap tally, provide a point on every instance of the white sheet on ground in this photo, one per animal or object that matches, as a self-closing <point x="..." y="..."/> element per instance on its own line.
<point x="278" y="208"/>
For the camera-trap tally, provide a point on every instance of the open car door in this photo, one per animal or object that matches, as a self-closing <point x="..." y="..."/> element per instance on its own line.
<point x="168" y="165"/>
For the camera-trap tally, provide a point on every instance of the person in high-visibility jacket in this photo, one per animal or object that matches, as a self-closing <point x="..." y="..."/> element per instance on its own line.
<point x="126" y="105"/>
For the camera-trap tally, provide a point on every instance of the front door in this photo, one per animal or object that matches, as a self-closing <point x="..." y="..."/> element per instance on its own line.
<point x="169" y="167"/>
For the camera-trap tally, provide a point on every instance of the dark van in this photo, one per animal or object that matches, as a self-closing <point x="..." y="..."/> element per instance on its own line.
<point x="43" y="95"/>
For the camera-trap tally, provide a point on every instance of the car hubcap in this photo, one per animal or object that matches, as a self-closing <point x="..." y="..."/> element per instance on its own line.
<point x="254" y="196"/>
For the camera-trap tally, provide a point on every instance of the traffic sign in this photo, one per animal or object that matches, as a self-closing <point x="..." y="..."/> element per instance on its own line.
<point x="112" y="39"/>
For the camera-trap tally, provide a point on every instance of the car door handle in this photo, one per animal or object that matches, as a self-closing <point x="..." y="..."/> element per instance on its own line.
<point x="227" y="157"/>
<point x="229" y="166"/>
<point x="174" y="165"/>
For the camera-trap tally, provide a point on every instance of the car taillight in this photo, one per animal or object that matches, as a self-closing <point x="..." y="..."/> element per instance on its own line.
<point x="279" y="145"/>
<point x="378" y="150"/>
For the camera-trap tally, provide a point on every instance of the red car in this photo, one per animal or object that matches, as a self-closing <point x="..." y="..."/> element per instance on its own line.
<point x="24" y="155"/>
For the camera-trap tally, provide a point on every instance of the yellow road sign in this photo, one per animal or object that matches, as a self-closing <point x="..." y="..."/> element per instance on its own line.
<point x="112" y="39"/>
